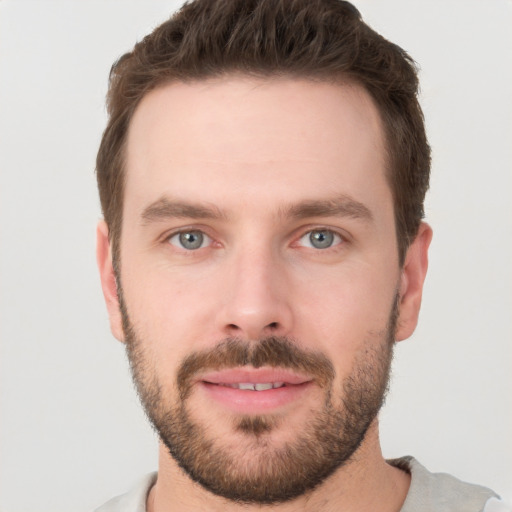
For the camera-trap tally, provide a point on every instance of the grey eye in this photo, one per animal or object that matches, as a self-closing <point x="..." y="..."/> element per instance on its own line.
<point x="321" y="239"/>
<point x="189" y="240"/>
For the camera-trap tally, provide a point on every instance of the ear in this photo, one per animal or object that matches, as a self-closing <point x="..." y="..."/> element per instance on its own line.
<point x="411" y="282"/>
<point x="108" y="279"/>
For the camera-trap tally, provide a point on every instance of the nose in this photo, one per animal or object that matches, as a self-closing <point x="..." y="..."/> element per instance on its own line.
<point x="256" y="297"/>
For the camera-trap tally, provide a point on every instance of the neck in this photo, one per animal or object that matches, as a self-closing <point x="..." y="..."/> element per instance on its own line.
<point x="366" y="483"/>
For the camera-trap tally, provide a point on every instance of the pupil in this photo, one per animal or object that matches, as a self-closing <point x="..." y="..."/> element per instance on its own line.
<point x="191" y="240"/>
<point x="321" y="239"/>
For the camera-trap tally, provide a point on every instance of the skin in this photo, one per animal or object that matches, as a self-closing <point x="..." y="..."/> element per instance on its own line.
<point x="253" y="150"/>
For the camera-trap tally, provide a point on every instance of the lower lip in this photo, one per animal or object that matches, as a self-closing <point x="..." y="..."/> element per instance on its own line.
<point x="255" y="402"/>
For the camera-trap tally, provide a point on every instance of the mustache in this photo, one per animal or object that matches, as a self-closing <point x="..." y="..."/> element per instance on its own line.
<point x="273" y="351"/>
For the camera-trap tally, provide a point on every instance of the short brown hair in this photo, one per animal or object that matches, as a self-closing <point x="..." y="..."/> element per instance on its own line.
<point x="320" y="39"/>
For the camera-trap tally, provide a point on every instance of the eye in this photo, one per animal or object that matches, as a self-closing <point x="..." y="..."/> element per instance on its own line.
<point x="320" y="239"/>
<point x="190" y="240"/>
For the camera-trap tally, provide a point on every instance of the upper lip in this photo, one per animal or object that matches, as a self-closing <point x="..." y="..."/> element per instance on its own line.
<point x="254" y="375"/>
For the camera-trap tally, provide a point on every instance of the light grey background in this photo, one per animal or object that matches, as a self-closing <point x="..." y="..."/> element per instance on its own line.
<point x="72" y="433"/>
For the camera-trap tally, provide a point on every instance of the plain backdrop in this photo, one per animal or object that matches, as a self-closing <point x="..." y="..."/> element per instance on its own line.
<point x="72" y="432"/>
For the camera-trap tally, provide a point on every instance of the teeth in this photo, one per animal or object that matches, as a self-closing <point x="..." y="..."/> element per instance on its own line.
<point x="249" y="386"/>
<point x="263" y="387"/>
<point x="244" y="385"/>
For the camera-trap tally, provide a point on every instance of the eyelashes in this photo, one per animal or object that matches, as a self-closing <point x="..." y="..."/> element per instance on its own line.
<point x="320" y="239"/>
<point x="190" y="240"/>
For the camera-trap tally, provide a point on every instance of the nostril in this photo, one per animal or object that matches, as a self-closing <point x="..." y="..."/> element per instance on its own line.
<point x="273" y="325"/>
<point x="233" y="327"/>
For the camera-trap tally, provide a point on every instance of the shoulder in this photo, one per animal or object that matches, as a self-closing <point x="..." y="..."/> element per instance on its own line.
<point x="134" y="500"/>
<point x="441" y="492"/>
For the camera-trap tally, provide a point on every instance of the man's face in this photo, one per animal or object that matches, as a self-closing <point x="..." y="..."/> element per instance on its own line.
<point x="259" y="276"/>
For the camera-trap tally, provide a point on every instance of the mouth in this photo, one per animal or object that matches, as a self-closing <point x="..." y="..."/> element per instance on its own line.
<point x="251" y="386"/>
<point x="254" y="390"/>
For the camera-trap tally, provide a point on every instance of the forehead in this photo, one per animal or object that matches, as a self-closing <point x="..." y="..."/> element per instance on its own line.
<point x="252" y="136"/>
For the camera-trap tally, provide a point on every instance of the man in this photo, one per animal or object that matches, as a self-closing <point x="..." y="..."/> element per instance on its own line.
<point x="262" y="178"/>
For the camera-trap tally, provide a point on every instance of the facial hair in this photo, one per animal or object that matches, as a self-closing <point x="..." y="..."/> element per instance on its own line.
<point x="259" y="472"/>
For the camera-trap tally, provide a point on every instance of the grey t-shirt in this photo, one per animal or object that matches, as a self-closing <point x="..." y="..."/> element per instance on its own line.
<point x="439" y="492"/>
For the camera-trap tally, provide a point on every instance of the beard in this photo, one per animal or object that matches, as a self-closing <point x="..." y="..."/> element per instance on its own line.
<point x="256" y="471"/>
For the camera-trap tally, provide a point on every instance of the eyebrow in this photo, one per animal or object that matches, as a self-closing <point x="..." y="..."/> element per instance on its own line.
<point x="341" y="206"/>
<point x="166" y="208"/>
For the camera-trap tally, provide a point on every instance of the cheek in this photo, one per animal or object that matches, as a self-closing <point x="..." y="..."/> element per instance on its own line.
<point x="344" y="308"/>
<point x="172" y="309"/>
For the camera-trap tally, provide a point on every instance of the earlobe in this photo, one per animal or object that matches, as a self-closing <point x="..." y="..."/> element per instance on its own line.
<point x="411" y="282"/>
<point x="108" y="279"/>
